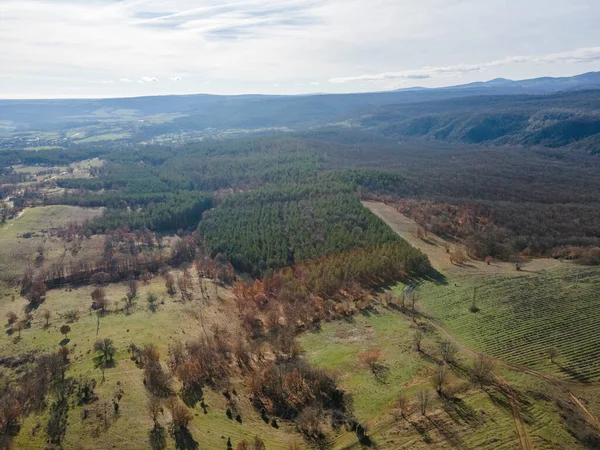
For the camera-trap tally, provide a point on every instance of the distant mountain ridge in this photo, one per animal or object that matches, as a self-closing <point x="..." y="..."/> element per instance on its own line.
<point x="585" y="81"/>
<point x="268" y="110"/>
<point x="545" y="111"/>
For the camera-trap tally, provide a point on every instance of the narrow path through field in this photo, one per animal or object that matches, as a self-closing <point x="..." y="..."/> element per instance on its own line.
<point x="435" y="247"/>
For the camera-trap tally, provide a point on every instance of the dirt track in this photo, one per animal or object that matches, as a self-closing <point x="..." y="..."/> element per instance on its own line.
<point x="435" y="247"/>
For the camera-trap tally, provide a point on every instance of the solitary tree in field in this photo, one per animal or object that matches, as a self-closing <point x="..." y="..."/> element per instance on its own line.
<point x="99" y="300"/>
<point x="152" y="299"/>
<point x="371" y="359"/>
<point x="105" y="352"/>
<point x="439" y="379"/>
<point x="18" y="327"/>
<point x="552" y="354"/>
<point x="423" y="400"/>
<point x="11" y="317"/>
<point x="403" y="406"/>
<point x="64" y="352"/>
<point x="184" y="283"/>
<point x="482" y="372"/>
<point x="128" y="303"/>
<point x="133" y="288"/>
<point x="170" y="284"/>
<point x="418" y="339"/>
<point x="448" y="351"/>
<point x="46" y="315"/>
<point x="242" y="445"/>
<point x="65" y="330"/>
<point x="259" y="444"/>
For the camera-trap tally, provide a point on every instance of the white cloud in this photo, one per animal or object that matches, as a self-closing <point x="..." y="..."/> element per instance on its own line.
<point x="53" y="48"/>
<point x="148" y="80"/>
<point x="175" y="79"/>
<point x="582" y="55"/>
<point x="314" y="83"/>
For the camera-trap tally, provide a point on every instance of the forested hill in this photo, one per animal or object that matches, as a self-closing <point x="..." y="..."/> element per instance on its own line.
<point x="557" y="120"/>
<point x="252" y="111"/>
<point x="548" y="112"/>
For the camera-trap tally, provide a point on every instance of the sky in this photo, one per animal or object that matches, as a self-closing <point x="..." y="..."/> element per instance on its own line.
<point x="109" y="48"/>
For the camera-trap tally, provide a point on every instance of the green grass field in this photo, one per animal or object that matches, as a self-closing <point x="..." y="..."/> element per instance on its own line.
<point x="480" y="420"/>
<point x="173" y="321"/>
<point x="521" y="317"/>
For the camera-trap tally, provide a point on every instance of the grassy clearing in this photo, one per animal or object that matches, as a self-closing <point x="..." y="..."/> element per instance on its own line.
<point x="521" y="317"/>
<point x="173" y="321"/>
<point x="480" y="419"/>
<point x="104" y="137"/>
<point x="338" y="346"/>
<point x="16" y="251"/>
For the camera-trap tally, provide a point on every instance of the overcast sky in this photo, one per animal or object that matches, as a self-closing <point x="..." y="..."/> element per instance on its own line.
<point x="103" y="48"/>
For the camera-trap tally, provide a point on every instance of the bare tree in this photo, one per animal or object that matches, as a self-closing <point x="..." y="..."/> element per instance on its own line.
<point x="418" y="340"/>
<point x="99" y="300"/>
<point x="152" y="299"/>
<point x="439" y="379"/>
<point x="259" y="444"/>
<point x="154" y="408"/>
<point x="423" y="400"/>
<point x="11" y="317"/>
<point x="448" y="351"/>
<point x="403" y="406"/>
<point x="46" y="314"/>
<point x="482" y="372"/>
<point x="170" y="284"/>
<point x="133" y="288"/>
<point x="18" y="327"/>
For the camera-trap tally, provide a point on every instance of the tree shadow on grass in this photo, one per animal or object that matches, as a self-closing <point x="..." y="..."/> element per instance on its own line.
<point x="421" y="429"/>
<point x="450" y="435"/>
<point x="461" y="412"/>
<point x="573" y="374"/>
<point x="183" y="439"/>
<point x="498" y="398"/>
<point x="158" y="438"/>
<point x="191" y="396"/>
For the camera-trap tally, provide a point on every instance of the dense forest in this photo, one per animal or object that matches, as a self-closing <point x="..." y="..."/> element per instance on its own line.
<point x="298" y="192"/>
<point x="276" y="229"/>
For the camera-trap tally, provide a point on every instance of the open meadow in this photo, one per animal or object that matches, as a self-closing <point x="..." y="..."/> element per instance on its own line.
<point x="170" y="320"/>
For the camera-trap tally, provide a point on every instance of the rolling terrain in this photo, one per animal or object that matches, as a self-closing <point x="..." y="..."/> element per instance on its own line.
<point x="551" y="112"/>
<point x="342" y="287"/>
